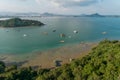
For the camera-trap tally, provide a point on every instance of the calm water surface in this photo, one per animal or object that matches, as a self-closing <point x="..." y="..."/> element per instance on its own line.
<point x="32" y="39"/>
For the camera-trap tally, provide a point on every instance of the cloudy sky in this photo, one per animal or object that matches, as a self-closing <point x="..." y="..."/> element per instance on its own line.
<point x="62" y="6"/>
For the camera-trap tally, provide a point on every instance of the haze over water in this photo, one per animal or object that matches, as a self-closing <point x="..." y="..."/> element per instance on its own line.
<point x="33" y="39"/>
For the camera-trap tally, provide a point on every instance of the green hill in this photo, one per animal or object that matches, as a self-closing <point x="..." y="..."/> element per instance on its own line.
<point x="102" y="63"/>
<point x="17" y="22"/>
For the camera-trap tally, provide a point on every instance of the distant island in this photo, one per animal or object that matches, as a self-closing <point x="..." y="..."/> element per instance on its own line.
<point x="47" y="14"/>
<point x="94" y="15"/>
<point x="17" y="22"/>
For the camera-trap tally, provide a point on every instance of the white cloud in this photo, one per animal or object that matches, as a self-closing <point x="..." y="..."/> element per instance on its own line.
<point x="71" y="3"/>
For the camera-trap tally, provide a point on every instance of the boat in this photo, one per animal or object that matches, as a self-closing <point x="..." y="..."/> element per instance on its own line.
<point x="104" y="32"/>
<point x="75" y="31"/>
<point x="62" y="35"/>
<point x="54" y="30"/>
<point x="45" y="33"/>
<point x="24" y="35"/>
<point x="62" y="41"/>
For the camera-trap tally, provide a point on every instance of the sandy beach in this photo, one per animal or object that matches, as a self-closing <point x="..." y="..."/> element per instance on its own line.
<point x="46" y="59"/>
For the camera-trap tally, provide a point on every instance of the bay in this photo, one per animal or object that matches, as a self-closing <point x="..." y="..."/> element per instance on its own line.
<point x="26" y="40"/>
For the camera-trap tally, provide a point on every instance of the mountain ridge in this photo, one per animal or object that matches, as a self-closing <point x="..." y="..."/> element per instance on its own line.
<point x="47" y="14"/>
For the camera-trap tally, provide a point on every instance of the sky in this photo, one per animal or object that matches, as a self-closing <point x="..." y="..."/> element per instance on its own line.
<point x="106" y="7"/>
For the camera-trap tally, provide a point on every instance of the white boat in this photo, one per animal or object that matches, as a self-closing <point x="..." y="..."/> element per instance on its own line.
<point x="62" y="41"/>
<point x="75" y="31"/>
<point x="104" y="32"/>
<point x="24" y="35"/>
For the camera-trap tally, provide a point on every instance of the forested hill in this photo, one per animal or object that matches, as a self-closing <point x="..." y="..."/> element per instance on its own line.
<point x="102" y="63"/>
<point x="17" y="22"/>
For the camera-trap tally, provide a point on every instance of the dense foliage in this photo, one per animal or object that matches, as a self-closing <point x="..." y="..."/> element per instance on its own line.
<point x="102" y="63"/>
<point x="17" y="22"/>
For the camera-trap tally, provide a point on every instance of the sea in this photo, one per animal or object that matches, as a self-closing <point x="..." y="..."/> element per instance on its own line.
<point x="26" y="40"/>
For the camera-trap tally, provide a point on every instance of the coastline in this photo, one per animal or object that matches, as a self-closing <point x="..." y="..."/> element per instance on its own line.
<point x="46" y="59"/>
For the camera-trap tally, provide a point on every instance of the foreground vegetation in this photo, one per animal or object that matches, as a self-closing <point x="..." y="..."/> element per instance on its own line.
<point x="17" y="22"/>
<point x="102" y="63"/>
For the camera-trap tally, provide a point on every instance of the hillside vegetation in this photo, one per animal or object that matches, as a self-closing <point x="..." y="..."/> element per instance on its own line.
<point x="102" y="63"/>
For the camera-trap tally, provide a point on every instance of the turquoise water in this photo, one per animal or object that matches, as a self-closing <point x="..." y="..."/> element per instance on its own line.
<point x="32" y="39"/>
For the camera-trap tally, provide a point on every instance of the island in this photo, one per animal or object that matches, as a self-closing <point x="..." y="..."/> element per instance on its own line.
<point x="93" y="15"/>
<point x="17" y="22"/>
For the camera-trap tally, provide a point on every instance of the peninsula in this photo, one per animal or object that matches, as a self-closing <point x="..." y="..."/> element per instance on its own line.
<point x="17" y="22"/>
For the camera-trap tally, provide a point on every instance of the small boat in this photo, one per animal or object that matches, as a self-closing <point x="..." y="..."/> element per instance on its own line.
<point x="62" y="41"/>
<point x="104" y="32"/>
<point x="75" y="31"/>
<point x="54" y="30"/>
<point x="7" y="30"/>
<point x="24" y="35"/>
<point x="62" y="35"/>
<point x="33" y="23"/>
<point x="45" y="33"/>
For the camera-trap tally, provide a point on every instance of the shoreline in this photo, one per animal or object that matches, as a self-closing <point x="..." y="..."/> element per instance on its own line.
<point x="46" y="59"/>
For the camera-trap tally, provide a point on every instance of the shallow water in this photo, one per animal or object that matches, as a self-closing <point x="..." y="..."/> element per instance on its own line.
<point x="26" y="40"/>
